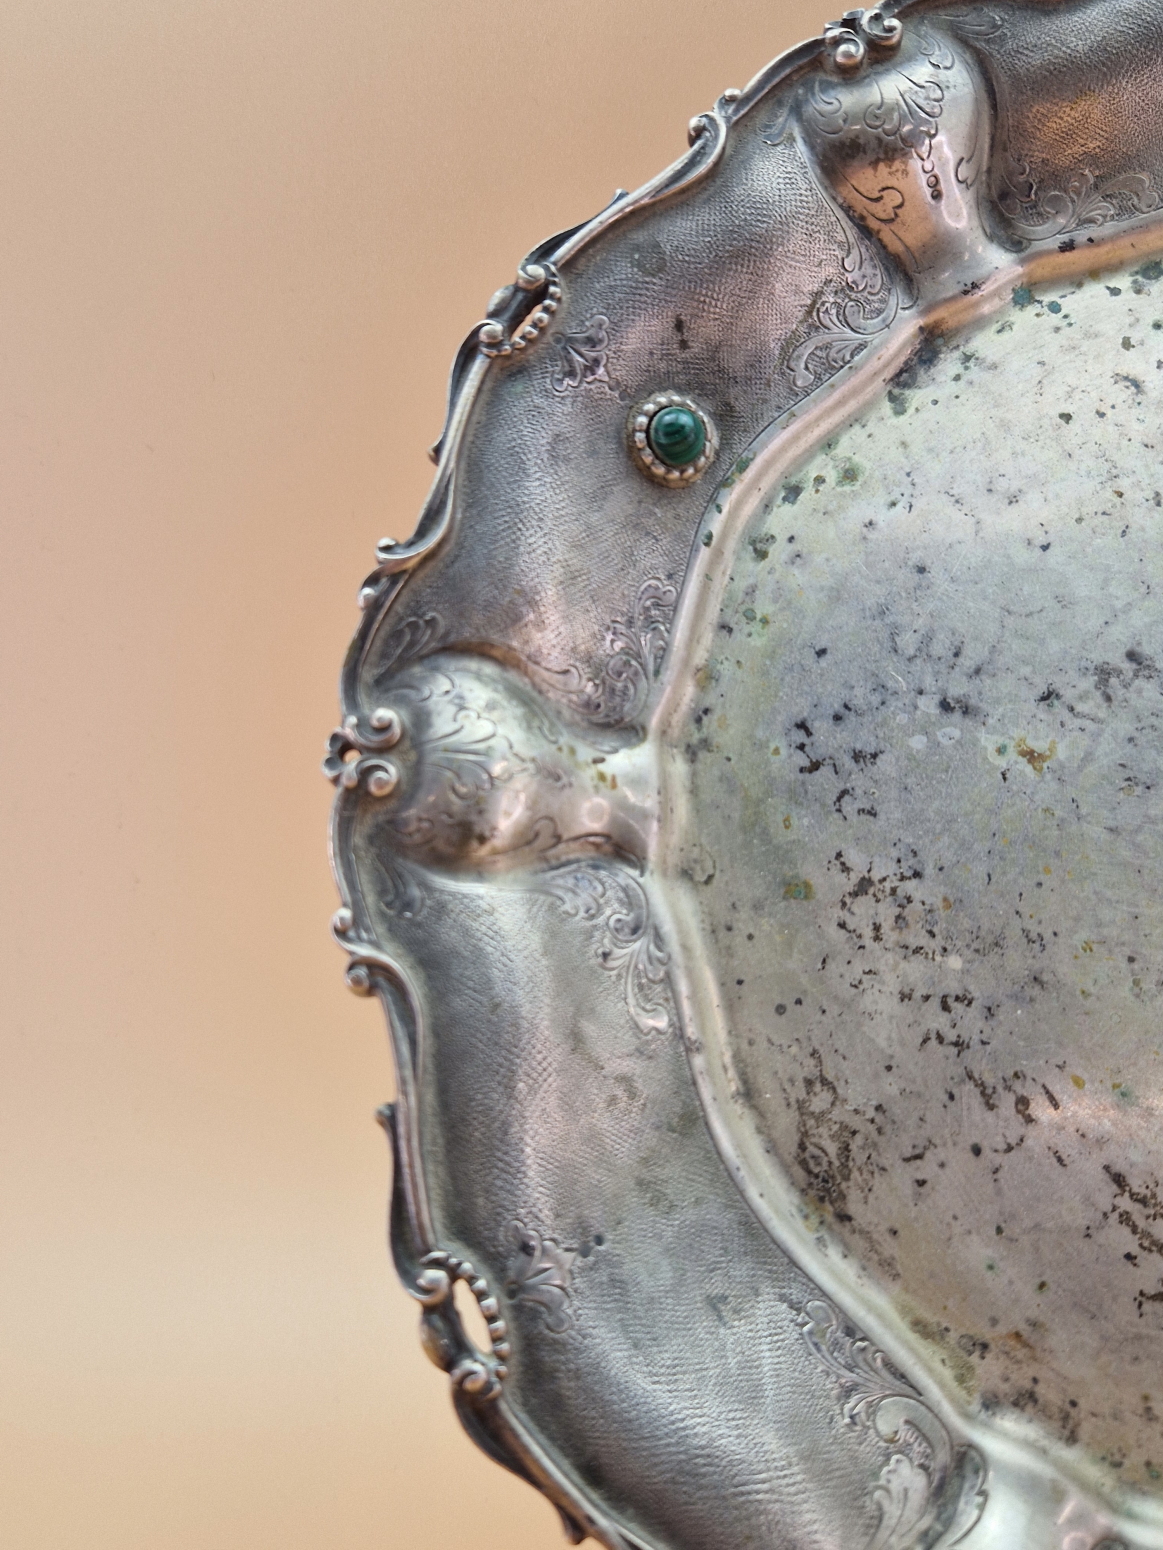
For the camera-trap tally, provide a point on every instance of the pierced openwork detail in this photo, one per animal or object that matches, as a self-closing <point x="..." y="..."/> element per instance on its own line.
<point x="499" y="336"/>
<point x="344" y="766"/>
<point x="481" y="1375"/>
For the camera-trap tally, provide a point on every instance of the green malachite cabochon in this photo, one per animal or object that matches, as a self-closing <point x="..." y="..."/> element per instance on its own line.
<point x="677" y="436"/>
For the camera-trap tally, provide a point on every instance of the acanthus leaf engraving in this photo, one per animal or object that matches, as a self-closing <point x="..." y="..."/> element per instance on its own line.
<point x="975" y="23"/>
<point x="902" y="147"/>
<point x="627" y="942"/>
<point x="635" y="648"/>
<point x="402" y="892"/>
<point x="844" y="325"/>
<point x="907" y="110"/>
<point x="901" y="1497"/>
<point x="461" y="761"/>
<point x="410" y="640"/>
<point x="929" y="1493"/>
<point x="1038" y="214"/>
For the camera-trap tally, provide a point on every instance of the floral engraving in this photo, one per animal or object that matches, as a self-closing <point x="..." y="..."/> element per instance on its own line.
<point x="471" y="751"/>
<point x="463" y="757"/>
<point x="974" y="24"/>
<point x="538" y="1272"/>
<point x="844" y="325"/>
<point x="906" y="114"/>
<point x="929" y="1493"/>
<point x="635" y="649"/>
<point x="465" y="745"/>
<point x="627" y="942"/>
<point x="401" y="891"/>
<point x="582" y="356"/>
<point x="911" y="111"/>
<point x="410" y="640"/>
<point x="907" y="109"/>
<point x="1038" y="214"/>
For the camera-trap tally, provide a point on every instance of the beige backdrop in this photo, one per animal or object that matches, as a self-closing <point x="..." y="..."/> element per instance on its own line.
<point x="240" y="241"/>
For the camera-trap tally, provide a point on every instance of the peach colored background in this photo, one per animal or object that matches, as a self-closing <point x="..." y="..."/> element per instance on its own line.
<point x="239" y="243"/>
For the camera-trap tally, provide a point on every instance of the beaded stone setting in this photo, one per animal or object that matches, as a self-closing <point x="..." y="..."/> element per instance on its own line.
<point x="672" y="439"/>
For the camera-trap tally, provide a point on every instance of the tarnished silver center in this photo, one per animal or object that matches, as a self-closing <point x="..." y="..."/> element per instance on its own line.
<point x="925" y="760"/>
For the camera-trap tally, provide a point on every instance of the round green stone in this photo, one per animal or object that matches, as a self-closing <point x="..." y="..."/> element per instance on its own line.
<point x="677" y="436"/>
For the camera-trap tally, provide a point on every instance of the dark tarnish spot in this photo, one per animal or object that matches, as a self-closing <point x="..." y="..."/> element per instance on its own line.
<point x="958" y="707"/>
<point x="649" y="257"/>
<point x="848" y="472"/>
<point x="987" y="1094"/>
<point x="1149" y="1204"/>
<point x="824" y="1149"/>
<point x="1142" y="665"/>
<point x="1108" y="676"/>
<point x="926" y="355"/>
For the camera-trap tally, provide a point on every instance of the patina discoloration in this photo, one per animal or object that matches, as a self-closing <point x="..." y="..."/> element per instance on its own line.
<point x="940" y="952"/>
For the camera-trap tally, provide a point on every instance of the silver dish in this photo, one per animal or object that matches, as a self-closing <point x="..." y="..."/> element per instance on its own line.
<point x="750" y="782"/>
